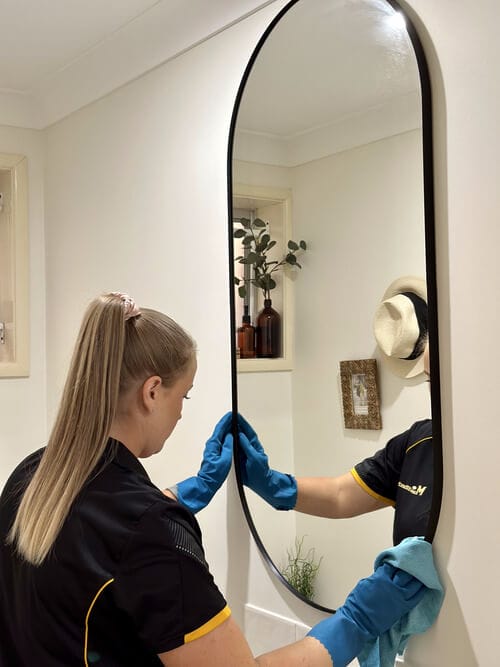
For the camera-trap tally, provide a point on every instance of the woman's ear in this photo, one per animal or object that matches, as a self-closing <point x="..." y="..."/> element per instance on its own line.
<point x="150" y="392"/>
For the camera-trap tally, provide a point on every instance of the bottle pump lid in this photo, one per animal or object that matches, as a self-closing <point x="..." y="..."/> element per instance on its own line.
<point x="246" y="316"/>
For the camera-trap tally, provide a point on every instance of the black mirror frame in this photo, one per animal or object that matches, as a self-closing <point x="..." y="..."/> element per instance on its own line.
<point x="430" y="256"/>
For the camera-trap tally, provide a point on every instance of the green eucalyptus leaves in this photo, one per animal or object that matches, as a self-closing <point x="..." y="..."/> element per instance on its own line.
<point x="257" y="243"/>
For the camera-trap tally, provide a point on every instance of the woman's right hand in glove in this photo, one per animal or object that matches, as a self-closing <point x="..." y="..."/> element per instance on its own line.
<point x="371" y="608"/>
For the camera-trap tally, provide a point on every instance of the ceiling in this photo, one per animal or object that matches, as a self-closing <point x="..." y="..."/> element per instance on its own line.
<point x="331" y="75"/>
<point x="327" y="60"/>
<point x="58" y="55"/>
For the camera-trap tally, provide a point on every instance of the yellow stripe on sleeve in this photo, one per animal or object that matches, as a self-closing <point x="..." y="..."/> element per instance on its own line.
<point x="429" y="437"/>
<point x="372" y="493"/>
<point x="210" y="625"/>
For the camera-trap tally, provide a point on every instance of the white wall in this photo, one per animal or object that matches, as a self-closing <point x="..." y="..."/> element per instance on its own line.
<point x="102" y="233"/>
<point x="461" y="42"/>
<point x="23" y="400"/>
<point x="265" y="399"/>
<point x="361" y="213"/>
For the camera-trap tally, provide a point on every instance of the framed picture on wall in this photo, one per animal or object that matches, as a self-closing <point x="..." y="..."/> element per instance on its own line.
<point x="360" y="396"/>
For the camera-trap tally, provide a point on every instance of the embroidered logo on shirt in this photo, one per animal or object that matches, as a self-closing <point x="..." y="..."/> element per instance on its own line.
<point x="416" y="490"/>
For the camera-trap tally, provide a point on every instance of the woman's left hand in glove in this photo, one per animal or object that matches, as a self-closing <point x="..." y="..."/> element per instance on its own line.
<point x="196" y="492"/>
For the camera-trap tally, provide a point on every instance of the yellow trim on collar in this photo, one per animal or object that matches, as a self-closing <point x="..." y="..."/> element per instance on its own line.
<point x="210" y="625"/>
<point x="87" y="620"/>
<point x="372" y="493"/>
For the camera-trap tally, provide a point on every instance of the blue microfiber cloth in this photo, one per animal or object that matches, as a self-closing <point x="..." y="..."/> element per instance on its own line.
<point x="413" y="555"/>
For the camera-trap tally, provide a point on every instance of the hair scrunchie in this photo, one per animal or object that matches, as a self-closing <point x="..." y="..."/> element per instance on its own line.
<point x="131" y="309"/>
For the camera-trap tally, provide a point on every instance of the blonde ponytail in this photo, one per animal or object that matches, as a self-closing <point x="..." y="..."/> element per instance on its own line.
<point x="117" y="344"/>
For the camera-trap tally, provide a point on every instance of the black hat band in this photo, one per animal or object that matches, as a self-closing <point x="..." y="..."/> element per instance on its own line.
<point x="420" y="308"/>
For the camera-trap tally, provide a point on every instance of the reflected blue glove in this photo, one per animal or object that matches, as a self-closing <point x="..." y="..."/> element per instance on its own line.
<point x="276" y="488"/>
<point x="371" y="608"/>
<point x="196" y="492"/>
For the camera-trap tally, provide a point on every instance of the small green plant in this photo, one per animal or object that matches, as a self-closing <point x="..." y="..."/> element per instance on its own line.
<point x="257" y="241"/>
<point x="301" y="568"/>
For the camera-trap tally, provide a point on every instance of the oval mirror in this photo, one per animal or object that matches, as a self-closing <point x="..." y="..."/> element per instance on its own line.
<point x="331" y="145"/>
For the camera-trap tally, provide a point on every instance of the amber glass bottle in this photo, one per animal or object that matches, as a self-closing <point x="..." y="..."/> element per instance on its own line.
<point x="246" y="337"/>
<point x="268" y="332"/>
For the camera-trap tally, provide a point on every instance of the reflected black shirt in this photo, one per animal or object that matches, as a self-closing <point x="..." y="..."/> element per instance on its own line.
<point x="126" y="579"/>
<point x="401" y="475"/>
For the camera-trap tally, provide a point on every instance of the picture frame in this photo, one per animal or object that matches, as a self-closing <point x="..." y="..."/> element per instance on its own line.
<point x="360" y="395"/>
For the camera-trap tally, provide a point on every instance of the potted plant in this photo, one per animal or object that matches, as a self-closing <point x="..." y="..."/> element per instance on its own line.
<point x="257" y="244"/>
<point x="301" y="568"/>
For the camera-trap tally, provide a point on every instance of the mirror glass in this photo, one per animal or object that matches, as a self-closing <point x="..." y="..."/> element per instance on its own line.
<point x="327" y="147"/>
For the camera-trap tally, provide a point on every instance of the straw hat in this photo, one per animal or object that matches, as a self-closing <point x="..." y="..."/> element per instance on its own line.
<point x="400" y="326"/>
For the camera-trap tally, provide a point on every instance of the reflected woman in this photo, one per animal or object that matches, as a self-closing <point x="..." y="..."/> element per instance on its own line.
<point x="401" y="474"/>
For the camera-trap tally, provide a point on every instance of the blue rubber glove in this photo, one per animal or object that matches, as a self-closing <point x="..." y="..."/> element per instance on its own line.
<point x="371" y="608"/>
<point x="276" y="488"/>
<point x="196" y="492"/>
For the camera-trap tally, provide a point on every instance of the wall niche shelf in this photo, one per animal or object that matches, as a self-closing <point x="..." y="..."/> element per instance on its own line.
<point x="273" y="205"/>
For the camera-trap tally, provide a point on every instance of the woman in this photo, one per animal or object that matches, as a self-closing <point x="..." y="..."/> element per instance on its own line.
<point x="100" y="567"/>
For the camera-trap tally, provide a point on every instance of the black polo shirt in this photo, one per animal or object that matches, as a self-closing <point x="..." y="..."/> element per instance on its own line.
<point x="401" y="475"/>
<point x="126" y="579"/>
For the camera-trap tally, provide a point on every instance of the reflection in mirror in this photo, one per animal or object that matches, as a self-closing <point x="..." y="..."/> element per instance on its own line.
<point x="329" y="128"/>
